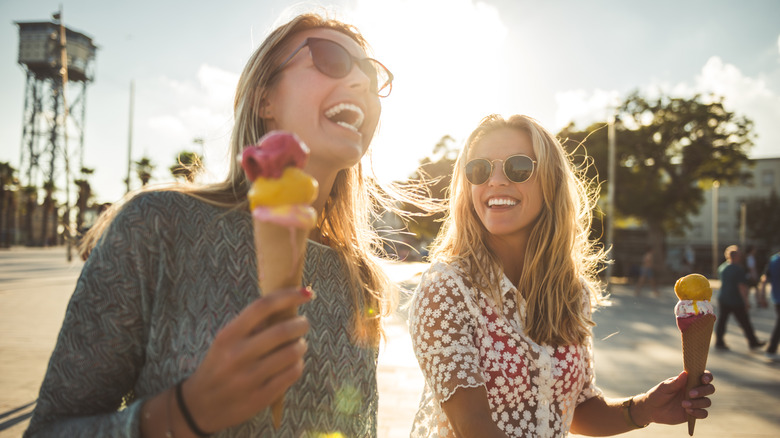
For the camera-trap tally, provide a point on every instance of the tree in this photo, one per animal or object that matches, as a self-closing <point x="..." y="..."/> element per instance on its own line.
<point x="49" y="217"/>
<point x="763" y="219"/>
<point x="85" y="193"/>
<point x="437" y="170"/>
<point x="30" y="194"/>
<point x="144" y="168"/>
<point x="8" y="185"/>
<point x="668" y="152"/>
<point x="188" y="165"/>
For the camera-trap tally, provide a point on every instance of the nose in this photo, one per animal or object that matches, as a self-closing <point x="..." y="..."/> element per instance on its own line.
<point x="358" y="79"/>
<point x="497" y="177"/>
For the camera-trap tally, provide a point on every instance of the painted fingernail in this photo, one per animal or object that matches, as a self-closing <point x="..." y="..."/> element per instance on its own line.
<point x="307" y="292"/>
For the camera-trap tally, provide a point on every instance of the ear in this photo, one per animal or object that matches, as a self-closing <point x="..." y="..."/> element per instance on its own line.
<point x="265" y="109"/>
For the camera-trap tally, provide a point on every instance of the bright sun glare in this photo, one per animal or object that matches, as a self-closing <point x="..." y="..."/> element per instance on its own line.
<point x="446" y="61"/>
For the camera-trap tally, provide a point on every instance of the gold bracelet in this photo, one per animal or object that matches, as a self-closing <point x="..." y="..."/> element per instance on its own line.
<point x="626" y="408"/>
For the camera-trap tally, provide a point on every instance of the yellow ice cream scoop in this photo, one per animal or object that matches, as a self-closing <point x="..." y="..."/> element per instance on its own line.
<point x="294" y="187"/>
<point x="693" y="287"/>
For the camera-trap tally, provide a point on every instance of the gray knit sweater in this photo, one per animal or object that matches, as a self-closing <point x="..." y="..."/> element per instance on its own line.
<point x="167" y="274"/>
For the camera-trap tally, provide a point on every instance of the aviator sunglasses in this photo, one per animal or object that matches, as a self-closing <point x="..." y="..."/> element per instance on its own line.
<point x="517" y="168"/>
<point x="333" y="60"/>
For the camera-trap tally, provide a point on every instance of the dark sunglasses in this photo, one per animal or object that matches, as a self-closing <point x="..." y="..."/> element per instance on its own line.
<point x="333" y="60"/>
<point x="517" y="168"/>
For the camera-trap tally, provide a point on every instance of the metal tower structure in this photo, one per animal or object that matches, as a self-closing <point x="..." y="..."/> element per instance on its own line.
<point x="58" y="62"/>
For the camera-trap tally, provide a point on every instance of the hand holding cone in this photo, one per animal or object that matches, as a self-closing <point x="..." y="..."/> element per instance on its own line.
<point x="695" y="319"/>
<point x="280" y="201"/>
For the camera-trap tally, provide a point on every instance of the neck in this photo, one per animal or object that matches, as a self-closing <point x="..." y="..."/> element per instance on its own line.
<point x="325" y="180"/>
<point x="511" y="254"/>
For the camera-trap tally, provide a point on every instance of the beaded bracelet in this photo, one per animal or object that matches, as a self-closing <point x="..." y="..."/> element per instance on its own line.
<point x="186" y="413"/>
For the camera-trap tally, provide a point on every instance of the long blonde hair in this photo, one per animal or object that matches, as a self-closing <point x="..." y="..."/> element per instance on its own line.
<point x="353" y="202"/>
<point x="560" y="258"/>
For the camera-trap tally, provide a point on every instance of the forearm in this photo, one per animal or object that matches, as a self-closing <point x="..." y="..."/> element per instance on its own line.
<point x="604" y="417"/>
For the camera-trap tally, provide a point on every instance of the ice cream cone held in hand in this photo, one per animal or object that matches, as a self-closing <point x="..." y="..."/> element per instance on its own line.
<point x="280" y="202"/>
<point x="695" y="319"/>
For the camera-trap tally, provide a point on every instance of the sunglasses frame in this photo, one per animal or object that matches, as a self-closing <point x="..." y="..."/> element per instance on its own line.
<point x="503" y="168"/>
<point x="355" y="60"/>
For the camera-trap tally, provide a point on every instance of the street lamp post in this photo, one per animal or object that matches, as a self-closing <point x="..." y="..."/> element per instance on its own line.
<point x="715" y="185"/>
<point x="610" y="194"/>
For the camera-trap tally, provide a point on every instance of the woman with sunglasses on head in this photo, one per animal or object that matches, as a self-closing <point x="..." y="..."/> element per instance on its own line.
<point x="501" y="322"/>
<point x="165" y="334"/>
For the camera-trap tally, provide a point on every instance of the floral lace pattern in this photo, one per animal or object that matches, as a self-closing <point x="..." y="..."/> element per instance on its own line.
<point x="462" y="340"/>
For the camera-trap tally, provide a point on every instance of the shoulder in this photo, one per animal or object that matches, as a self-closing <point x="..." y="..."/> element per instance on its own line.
<point x="442" y="282"/>
<point x="450" y="274"/>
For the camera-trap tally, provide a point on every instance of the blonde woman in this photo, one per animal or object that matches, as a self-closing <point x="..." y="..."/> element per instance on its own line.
<point x="165" y="334"/>
<point x="501" y="323"/>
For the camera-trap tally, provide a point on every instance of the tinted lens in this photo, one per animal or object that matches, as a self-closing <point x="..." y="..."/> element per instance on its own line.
<point x="330" y="58"/>
<point x="335" y="61"/>
<point x="478" y="171"/>
<point x="518" y="168"/>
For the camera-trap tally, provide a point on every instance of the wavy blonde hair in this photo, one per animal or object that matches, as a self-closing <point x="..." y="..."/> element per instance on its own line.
<point x="560" y="259"/>
<point x="354" y="200"/>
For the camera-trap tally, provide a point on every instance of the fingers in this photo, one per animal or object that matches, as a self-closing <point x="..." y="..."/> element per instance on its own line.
<point x="276" y="335"/>
<point x="697" y="407"/>
<point x="260" y="310"/>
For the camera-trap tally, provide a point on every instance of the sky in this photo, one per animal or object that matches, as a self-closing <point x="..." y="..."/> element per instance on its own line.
<point x="455" y="61"/>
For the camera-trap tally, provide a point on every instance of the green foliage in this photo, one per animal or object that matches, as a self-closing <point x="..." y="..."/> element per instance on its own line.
<point x="144" y="168"/>
<point x="188" y="165"/>
<point x="664" y="148"/>
<point x="436" y="170"/>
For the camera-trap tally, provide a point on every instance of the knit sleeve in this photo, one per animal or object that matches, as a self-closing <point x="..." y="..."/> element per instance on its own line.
<point x="443" y="331"/>
<point x="88" y="387"/>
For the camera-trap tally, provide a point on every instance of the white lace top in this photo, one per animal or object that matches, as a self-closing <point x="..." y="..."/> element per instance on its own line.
<point x="462" y="340"/>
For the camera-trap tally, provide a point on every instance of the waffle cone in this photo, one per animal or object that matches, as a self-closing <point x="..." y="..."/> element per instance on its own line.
<point x="280" y="256"/>
<point x="696" y="347"/>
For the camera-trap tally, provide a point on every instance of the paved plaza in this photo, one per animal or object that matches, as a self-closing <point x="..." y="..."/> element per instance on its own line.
<point x="636" y="346"/>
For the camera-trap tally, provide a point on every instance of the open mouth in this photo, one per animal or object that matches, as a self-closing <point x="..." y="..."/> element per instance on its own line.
<point x="501" y="202"/>
<point x="347" y="115"/>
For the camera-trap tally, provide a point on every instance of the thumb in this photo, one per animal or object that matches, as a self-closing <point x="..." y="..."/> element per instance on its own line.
<point x="674" y="384"/>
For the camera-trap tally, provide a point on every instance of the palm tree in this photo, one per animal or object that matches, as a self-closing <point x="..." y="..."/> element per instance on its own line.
<point x="144" y="168"/>
<point x="188" y="165"/>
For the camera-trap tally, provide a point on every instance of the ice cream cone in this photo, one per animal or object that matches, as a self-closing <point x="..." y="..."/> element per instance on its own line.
<point x="280" y="256"/>
<point x="696" y="347"/>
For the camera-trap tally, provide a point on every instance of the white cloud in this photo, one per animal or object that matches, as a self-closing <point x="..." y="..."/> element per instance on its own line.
<point x="583" y="107"/>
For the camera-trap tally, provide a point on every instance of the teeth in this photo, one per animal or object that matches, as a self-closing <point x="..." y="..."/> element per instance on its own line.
<point x="501" y="201"/>
<point x="352" y="119"/>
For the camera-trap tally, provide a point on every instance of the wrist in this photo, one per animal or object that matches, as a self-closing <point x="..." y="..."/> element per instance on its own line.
<point x="192" y="423"/>
<point x="634" y="413"/>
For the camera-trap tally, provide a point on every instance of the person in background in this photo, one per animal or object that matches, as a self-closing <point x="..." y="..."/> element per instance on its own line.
<point x="751" y="267"/>
<point x="501" y="322"/>
<point x="647" y="273"/>
<point x="733" y="299"/>
<point x="772" y="277"/>
<point x="165" y="334"/>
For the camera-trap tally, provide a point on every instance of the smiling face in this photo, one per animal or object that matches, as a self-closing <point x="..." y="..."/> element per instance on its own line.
<point x="335" y="117"/>
<point x="508" y="210"/>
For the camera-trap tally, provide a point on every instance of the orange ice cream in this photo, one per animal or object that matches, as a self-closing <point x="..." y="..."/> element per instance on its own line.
<point x="695" y="319"/>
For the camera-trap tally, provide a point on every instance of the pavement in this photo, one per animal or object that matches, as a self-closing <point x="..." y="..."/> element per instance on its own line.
<point x="636" y="346"/>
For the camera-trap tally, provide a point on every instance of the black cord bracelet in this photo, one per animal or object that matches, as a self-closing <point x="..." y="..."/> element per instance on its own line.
<point x="186" y="413"/>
